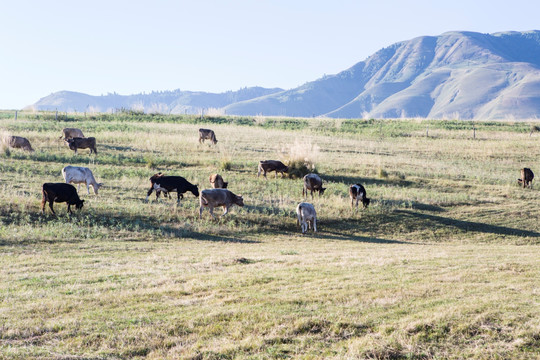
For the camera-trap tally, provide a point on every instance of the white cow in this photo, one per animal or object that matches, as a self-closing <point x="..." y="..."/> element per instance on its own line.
<point x="81" y="175"/>
<point x="306" y="216"/>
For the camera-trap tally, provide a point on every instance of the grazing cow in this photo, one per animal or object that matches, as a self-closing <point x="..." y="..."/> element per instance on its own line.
<point x="19" y="142"/>
<point x="272" y="165"/>
<point x="60" y="192"/>
<point x="207" y="134"/>
<point x="70" y="133"/>
<point x="81" y="175"/>
<point x="306" y="216"/>
<point x="527" y="177"/>
<point x="217" y="182"/>
<point x="212" y="198"/>
<point x="357" y="192"/>
<point x="82" y="143"/>
<point x="167" y="184"/>
<point x="312" y="182"/>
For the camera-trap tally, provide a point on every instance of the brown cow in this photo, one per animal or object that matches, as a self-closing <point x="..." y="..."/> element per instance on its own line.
<point x="218" y="197"/>
<point x="70" y="133"/>
<point x="527" y="177"/>
<point x="312" y="182"/>
<point x="82" y="143"/>
<point x="19" y="142"/>
<point x="207" y="134"/>
<point x="272" y="165"/>
<point x="60" y="192"/>
<point x="217" y="182"/>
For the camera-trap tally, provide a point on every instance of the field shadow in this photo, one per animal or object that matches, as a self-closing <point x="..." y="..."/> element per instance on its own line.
<point x="188" y="234"/>
<point x="121" y="148"/>
<point x="349" y="180"/>
<point x="464" y="225"/>
<point x="330" y="235"/>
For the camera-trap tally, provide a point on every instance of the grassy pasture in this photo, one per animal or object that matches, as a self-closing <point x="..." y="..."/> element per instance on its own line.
<point x="445" y="264"/>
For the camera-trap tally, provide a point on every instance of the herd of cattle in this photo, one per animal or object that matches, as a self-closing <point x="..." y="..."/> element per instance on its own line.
<point x="218" y="196"/>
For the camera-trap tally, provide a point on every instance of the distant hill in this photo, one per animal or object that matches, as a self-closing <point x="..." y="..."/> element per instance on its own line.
<point x="458" y="75"/>
<point x="173" y="102"/>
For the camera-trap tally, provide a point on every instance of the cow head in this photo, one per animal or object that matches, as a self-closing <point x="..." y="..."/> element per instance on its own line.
<point x="195" y="190"/>
<point x="239" y="200"/>
<point x="79" y="204"/>
<point x="321" y="190"/>
<point x="365" y="202"/>
<point x="214" y="141"/>
<point x="154" y="177"/>
<point x="97" y="187"/>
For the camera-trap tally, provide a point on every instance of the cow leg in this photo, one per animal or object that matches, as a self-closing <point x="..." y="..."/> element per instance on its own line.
<point x="51" y="206"/>
<point x="211" y="208"/>
<point x="314" y="224"/>
<point x="88" y="188"/>
<point x="179" y="197"/>
<point x="149" y="193"/>
<point x="225" y="210"/>
<point x="69" y="208"/>
<point x="43" y="202"/>
<point x="275" y="177"/>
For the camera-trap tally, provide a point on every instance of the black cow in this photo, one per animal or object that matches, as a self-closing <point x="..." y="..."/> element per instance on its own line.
<point x="167" y="184"/>
<point x="82" y="143"/>
<point x="272" y="165"/>
<point x="60" y="192"/>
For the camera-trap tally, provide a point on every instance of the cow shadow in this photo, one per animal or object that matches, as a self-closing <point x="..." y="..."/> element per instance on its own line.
<point x="464" y="225"/>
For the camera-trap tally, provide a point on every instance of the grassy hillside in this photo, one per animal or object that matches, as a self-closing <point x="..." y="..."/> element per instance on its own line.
<point x="444" y="264"/>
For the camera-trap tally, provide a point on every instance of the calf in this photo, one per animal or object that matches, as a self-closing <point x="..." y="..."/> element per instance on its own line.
<point x="527" y="177"/>
<point x="19" y="142"/>
<point x="357" y="192"/>
<point x="217" y="182"/>
<point x="212" y="198"/>
<point x="60" y="192"/>
<point x="82" y="143"/>
<point x="272" y="165"/>
<point x="70" y="133"/>
<point x="167" y="184"/>
<point x="306" y="216"/>
<point x="81" y="175"/>
<point x="207" y="134"/>
<point x="312" y="182"/>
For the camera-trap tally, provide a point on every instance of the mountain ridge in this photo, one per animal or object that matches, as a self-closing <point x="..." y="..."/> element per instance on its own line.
<point x="458" y="74"/>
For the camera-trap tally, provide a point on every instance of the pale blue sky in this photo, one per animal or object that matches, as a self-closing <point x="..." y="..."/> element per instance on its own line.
<point x="136" y="46"/>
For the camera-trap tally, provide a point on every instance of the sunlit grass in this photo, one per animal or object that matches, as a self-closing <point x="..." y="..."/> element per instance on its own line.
<point x="443" y="264"/>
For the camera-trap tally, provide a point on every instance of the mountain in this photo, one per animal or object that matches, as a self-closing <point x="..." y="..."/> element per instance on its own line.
<point x="463" y="75"/>
<point x="173" y="102"/>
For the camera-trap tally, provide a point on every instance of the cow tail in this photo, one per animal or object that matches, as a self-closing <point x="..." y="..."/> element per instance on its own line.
<point x="203" y="200"/>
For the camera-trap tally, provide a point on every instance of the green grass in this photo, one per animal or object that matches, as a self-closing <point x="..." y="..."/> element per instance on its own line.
<point x="443" y="265"/>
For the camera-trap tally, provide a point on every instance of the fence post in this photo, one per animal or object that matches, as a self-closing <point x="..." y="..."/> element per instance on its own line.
<point x="56" y="116"/>
<point x="15" y="114"/>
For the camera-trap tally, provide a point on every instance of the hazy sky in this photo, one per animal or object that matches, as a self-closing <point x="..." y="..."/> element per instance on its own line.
<point x="136" y="46"/>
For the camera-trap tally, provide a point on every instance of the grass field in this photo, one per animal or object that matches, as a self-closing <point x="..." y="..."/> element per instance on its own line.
<point x="444" y="264"/>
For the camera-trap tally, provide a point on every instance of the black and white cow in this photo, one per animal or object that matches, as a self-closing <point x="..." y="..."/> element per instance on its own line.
<point x="357" y="192"/>
<point x="167" y="184"/>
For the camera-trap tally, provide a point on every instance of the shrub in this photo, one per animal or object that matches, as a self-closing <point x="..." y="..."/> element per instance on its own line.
<point x="225" y="165"/>
<point x="383" y="174"/>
